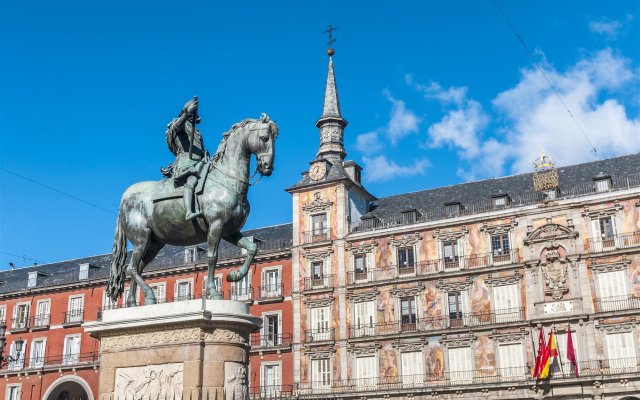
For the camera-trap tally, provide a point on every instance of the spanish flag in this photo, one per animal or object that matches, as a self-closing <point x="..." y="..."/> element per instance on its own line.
<point x="541" y="347"/>
<point x="551" y="351"/>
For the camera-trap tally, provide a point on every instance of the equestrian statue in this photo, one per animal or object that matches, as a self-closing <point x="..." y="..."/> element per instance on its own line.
<point x="201" y="199"/>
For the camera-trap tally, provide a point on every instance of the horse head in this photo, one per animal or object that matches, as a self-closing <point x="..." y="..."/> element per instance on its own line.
<point x="262" y="143"/>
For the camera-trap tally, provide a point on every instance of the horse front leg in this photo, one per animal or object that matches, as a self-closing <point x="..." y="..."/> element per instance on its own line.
<point x="252" y="249"/>
<point x="213" y="241"/>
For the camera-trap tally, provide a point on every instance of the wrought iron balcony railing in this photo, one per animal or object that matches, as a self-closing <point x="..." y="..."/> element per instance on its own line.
<point x="615" y="242"/>
<point x="241" y="293"/>
<point x="618" y="303"/>
<point x="433" y="266"/>
<point x="73" y="317"/>
<point x="319" y="282"/>
<point x="40" y="321"/>
<point x="317" y="235"/>
<point x="58" y="361"/>
<point x="266" y="341"/>
<point x="319" y="335"/>
<point x="20" y="324"/>
<point x="269" y="392"/>
<point x="269" y="292"/>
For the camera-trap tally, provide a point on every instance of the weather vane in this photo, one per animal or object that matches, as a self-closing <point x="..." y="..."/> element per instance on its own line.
<point x="332" y="40"/>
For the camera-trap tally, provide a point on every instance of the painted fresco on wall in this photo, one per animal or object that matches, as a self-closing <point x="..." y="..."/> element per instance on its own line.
<point x="335" y="365"/>
<point x="435" y="361"/>
<point x="630" y="217"/>
<point x="485" y="356"/>
<point x="386" y="306"/>
<point x="634" y="277"/>
<point x="432" y="308"/>
<point x="477" y="242"/>
<point x="383" y="260"/>
<point x="388" y="362"/>
<point x="480" y="301"/>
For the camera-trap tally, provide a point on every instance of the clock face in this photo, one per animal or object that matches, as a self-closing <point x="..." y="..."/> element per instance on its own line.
<point x="317" y="171"/>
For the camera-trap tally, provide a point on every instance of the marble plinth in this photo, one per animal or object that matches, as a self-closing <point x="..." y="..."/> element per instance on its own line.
<point x="191" y="350"/>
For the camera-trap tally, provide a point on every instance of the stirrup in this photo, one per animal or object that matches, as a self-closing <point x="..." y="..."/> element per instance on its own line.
<point x="193" y="215"/>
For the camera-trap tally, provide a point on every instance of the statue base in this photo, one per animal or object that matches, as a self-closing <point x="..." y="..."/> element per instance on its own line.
<point x="190" y="350"/>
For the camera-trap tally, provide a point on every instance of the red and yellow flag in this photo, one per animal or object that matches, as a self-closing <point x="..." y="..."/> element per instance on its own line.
<point x="541" y="347"/>
<point x="550" y="352"/>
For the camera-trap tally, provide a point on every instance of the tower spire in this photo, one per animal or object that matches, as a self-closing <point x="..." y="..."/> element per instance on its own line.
<point x="331" y="124"/>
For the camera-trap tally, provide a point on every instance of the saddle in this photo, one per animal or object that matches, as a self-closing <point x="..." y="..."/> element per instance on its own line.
<point x="169" y="188"/>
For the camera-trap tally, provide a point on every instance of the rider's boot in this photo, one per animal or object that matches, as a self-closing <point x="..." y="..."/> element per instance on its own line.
<point x="188" y="202"/>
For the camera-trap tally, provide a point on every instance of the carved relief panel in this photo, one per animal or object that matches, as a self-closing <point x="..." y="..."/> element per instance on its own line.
<point x="149" y="382"/>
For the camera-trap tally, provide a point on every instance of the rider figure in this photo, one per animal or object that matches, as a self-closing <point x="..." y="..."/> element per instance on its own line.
<point x="185" y="169"/>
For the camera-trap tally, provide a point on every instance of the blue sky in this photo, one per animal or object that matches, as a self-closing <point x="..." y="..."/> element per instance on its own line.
<point x="435" y="93"/>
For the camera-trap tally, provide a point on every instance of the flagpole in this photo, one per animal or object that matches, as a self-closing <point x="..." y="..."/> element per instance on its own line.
<point x="535" y="354"/>
<point x="558" y="349"/>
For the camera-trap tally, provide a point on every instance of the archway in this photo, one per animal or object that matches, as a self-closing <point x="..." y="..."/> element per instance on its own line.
<point x="68" y="388"/>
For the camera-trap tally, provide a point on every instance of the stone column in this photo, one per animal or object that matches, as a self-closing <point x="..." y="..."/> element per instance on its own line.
<point x="191" y="350"/>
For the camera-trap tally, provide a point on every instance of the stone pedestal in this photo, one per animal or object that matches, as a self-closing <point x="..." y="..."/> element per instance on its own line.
<point x="191" y="350"/>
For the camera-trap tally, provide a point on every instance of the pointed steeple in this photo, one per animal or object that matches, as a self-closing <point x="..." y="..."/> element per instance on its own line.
<point x="331" y="124"/>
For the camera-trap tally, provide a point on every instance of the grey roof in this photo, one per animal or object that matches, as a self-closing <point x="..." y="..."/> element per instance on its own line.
<point x="335" y="172"/>
<point x="277" y="237"/>
<point x="516" y="185"/>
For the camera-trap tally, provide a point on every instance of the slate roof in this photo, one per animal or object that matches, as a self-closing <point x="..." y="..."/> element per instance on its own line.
<point x="516" y="185"/>
<point x="274" y="238"/>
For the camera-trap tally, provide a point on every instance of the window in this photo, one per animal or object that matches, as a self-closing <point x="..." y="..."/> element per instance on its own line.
<point x="41" y="319"/>
<point x="408" y="314"/>
<point x="317" y="273"/>
<point x="125" y="294"/>
<point x="19" y="358"/>
<point x="451" y="257"/>
<point x="409" y="216"/>
<point x="71" y="350"/>
<point x="364" y="318"/>
<point x="621" y="351"/>
<point x="321" y="373"/>
<point x="272" y="326"/>
<point x="412" y="367"/>
<point x="602" y="185"/>
<point x="456" y="308"/>
<point x="549" y="194"/>
<point x="183" y="290"/>
<point x="84" y="272"/>
<point x="319" y="226"/>
<point x="75" y="311"/>
<point x="512" y="360"/>
<point x="561" y="341"/>
<point x="460" y="365"/>
<point x="38" y="348"/>
<point x="33" y="279"/>
<point x="270" y="379"/>
<point x="13" y="392"/>
<point x="159" y="291"/>
<point x="500" y="201"/>
<point x="190" y="255"/>
<point x="3" y="314"/>
<point x="606" y="231"/>
<point x="500" y="248"/>
<point x="107" y="303"/>
<point x="406" y="260"/>
<point x="366" y="371"/>
<point x="271" y="283"/>
<point x="241" y="289"/>
<point x="320" y="317"/>
<point x="612" y="291"/>
<point x="452" y="209"/>
<point x="506" y="303"/>
<point x="20" y="316"/>
<point x="360" y="266"/>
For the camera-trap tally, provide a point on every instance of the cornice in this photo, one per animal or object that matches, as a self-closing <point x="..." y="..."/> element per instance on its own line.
<point x="363" y="296"/>
<point x="317" y="205"/>
<point x="621" y="264"/>
<point x="503" y="280"/>
<point x="460" y="341"/>
<point x="407" y="291"/>
<point x="315" y="303"/>
<point x="450" y="234"/>
<point x="550" y="232"/>
<point x="444" y="286"/>
<point x="405" y="240"/>
<point x="499" y="228"/>
<point x="362" y="248"/>
<point x="602" y="212"/>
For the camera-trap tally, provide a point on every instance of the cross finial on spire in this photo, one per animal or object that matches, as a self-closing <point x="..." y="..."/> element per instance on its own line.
<point x="332" y="40"/>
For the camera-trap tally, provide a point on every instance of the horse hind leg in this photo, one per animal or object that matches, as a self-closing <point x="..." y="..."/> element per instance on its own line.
<point x="252" y="249"/>
<point x="135" y="269"/>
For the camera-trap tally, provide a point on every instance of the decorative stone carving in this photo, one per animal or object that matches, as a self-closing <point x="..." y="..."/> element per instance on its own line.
<point x="406" y="291"/>
<point x="225" y="336"/>
<point x="363" y="248"/>
<point x="235" y="381"/>
<point x="499" y="228"/>
<point x="363" y="296"/>
<point x="318" y="204"/>
<point x="319" y="353"/>
<point x="503" y="280"/>
<point x="508" y="337"/>
<point x="450" y="235"/>
<point x="621" y="264"/>
<point x="318" y="256"/>
<point x="450" y="286"/>
<point x="150" y="339"/>
<point x="627" y="326"/>
<point x="370" y="349"/>
<point x="315" y="303"/>
<point x="163" y="381"/>
<point x="602" y="212"/>
<point x="410" y="346"/>
<point x="405" y="240"/>
<point x="460" y="341"/>
<point x="554" y="270"/>
<point x="550" y="233"/>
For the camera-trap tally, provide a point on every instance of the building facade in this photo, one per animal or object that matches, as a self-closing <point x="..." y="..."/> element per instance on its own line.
<point x="438" y="294"/>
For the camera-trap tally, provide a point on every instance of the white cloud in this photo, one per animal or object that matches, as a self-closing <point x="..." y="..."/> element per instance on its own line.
<point x="380" y="169"/>
<point x="453" y="95"/>
<point x="402" y="121"/>
<point x="460" y="128"/>
<point x="368" y="143"/>
<point x="609" y="28"/>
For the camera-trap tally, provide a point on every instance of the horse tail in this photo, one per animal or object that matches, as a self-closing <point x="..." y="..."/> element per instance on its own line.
<point x="117" y="274"/>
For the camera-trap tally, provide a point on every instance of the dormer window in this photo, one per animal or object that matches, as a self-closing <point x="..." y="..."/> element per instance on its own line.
<point x="84" y="271"/>
<point x="409" y="216"/>
<point x="190" y="255"/>
<point x="500" y="200"/>
<point x="33" y="279"/>
<point x="549" y="194"/>
<point x="452" y="209"/>
<point x="602" y="182"/>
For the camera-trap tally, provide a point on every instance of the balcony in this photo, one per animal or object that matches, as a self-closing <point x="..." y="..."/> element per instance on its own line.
<point x="433" y="266"/>
<point x="270" y="293"/>
<point x="261" y="342"/>
<point x="241" y="294"/>
<point x="319" y="335"/>
<point x="319" y="283"/>
<point x="618" y="303"/>
<point x="437" y="323"/>
<point x="20" y="325"/>
<point x="40" y="322"/>
<point x="271" y="392"/>
<point x="75" y="317"/>
<point x="615" y="242"/>
<point x="317" y="236"/>
<point x="57" y="362"/>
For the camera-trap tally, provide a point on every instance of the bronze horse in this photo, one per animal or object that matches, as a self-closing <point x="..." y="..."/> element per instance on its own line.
<point x="149" y="225"/>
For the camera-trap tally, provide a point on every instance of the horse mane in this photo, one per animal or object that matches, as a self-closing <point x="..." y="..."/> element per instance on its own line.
<point x="223" y="143"/>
